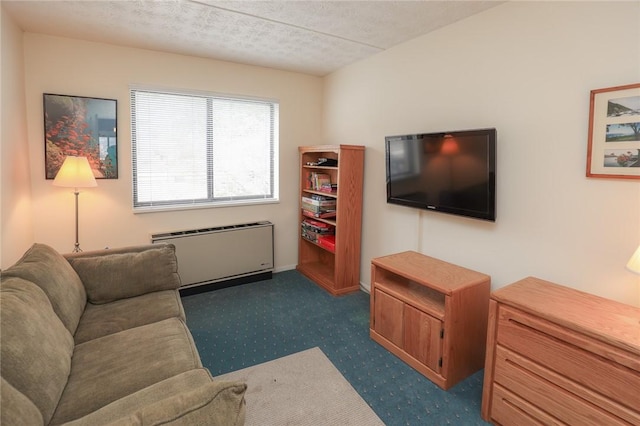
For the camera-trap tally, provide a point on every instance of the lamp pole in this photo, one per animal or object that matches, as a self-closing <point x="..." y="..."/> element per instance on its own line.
<point x="76" y="248"/>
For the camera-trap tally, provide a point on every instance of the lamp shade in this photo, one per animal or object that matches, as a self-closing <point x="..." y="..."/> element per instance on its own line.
<point x="634" y="263"/>
<point x="75" y="173"/>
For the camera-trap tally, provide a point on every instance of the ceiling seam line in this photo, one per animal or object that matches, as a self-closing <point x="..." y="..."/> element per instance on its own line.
<point x="288" y="25"/>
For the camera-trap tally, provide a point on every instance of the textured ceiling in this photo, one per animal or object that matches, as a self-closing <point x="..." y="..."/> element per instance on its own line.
<point x="313" y="37"/>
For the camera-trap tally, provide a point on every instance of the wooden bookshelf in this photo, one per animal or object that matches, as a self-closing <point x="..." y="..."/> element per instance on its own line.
<point x="337" y="270"/>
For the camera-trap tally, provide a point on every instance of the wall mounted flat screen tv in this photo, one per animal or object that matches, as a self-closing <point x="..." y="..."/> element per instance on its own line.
<point x="449" y="172"/>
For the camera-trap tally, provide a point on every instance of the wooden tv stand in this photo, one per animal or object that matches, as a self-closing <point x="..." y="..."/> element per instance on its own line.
<point x="431" y="314"/>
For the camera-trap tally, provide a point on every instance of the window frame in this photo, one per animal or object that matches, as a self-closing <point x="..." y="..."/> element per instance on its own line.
<point x="211" y="201"/>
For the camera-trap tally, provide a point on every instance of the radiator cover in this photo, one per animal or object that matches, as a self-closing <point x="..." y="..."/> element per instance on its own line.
<point x="217" y="254"/>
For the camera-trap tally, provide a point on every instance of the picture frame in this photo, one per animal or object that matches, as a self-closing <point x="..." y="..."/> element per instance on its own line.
<point x="613" y="149"/>
<point x="84" y="127"/>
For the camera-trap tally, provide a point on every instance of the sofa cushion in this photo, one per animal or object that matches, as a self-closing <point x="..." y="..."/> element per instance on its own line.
<point x="36" y="347"/>
<point x="216" y="403"/>
<point x="106" y="369"/>
<point x="109" y="318"/>
<point x="48" y="269"/>
<point x="191" y="398"/>
<point x="17" y="409"/>
<point x="112" y="275"/>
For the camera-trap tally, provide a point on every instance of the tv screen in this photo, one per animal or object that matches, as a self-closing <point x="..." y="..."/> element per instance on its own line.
<point x="450" y="172"/>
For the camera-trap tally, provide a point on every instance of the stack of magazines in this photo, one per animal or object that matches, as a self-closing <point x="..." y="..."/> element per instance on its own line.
<point x="319" y="206"/>
<point x="314" y="230"/>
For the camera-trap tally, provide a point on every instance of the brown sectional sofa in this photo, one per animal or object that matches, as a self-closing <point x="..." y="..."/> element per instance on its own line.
<point x="100" y="338"/>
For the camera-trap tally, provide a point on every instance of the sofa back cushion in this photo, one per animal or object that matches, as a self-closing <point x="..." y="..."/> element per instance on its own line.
<point x="110" y="275"/>
<point x="48" y="269"/>
<point x="36" y="347"/>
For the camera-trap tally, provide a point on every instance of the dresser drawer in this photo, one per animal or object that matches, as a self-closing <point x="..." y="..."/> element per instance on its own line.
<point x="576" y="364"/>
<point x="532" y="383"/>
<point x="509" y="409"/>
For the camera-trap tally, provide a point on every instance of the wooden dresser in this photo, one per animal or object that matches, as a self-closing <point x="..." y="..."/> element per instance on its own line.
<point x="560" y="356"/>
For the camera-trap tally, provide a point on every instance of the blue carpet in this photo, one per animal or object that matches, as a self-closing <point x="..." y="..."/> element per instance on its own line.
<point x="241" y="326"/>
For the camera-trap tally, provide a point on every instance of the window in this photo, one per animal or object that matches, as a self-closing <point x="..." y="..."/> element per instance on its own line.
<point x="194" y="149"/>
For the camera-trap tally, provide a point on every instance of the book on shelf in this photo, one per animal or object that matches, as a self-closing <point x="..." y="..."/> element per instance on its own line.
<point x="314" y="230"/>
<point x="325" y="215"/>
<point x="320" y="197"/>
<point x="316" y="180"/>
<point x="328" y="242"/>
<point x="318" y="227"/>
<point x="327" y="202"/>
<point x="328" y="187"/>
<point x="318" y="209"/>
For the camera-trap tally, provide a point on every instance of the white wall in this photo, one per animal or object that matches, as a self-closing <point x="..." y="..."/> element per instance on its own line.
<point x="16" y="233"/>
<point x="72" y="67"/>
<point x="525" y="68"/>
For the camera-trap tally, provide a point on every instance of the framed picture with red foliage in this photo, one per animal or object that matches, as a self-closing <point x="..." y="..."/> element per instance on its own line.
<point x="83" y="127"/>
<point x="614" y="133"/>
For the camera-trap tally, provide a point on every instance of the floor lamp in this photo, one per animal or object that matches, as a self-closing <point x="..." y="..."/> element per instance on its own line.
<point x="634" y="263"/>
<point x="75" y="173"/>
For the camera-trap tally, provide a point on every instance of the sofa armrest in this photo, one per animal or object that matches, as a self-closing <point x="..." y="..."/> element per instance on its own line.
<point x="216" y="403"/>
<point x="114" y="274"/>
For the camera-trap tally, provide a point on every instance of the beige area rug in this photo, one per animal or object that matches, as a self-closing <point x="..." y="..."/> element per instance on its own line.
<point x="301" y="389"/>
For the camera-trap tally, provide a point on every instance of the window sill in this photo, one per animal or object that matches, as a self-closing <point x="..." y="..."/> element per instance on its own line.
<point x="236" y="203"/>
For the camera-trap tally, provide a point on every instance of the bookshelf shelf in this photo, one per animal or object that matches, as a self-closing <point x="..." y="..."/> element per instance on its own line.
<point x="328" y="194"/>
<point x="336" y="268"/>
<point x="319" y="245"/>
<point x="320" y="167"/>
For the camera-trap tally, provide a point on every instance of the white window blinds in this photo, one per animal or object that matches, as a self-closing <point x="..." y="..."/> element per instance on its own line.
<point x="195" y="149"/>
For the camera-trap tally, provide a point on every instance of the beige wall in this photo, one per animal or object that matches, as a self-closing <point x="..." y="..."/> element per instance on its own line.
<point x="525" y="68"/>
<point x="15" y="212"/>
<point x="72" y="67"/>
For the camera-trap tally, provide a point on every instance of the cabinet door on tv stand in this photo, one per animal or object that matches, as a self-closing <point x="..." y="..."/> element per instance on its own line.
<point x="389" y="317"/>
<point x="423" y="337"/>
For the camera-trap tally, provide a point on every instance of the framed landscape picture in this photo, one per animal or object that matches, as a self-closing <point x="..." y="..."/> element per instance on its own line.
<point x="81" y="127"/>
<point x="614" y="133"/>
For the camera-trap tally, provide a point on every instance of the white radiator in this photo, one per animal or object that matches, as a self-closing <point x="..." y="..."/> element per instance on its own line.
<point x="211" y="255"/>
